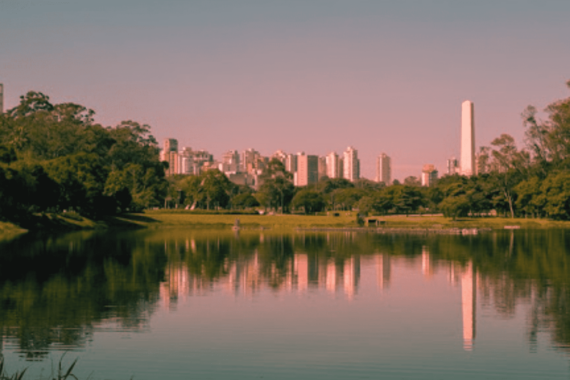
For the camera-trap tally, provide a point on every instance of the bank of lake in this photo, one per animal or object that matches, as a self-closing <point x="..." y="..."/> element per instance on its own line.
<point x="345" y="220"/>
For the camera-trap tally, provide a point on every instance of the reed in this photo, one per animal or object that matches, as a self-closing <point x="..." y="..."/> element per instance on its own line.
<point x="62" y="373"/>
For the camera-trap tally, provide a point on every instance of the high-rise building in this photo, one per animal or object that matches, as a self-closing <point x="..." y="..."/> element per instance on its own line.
<point x="452" y="166"/>
<point x="230" y="162"/>
<point x="322" y="167"/>
<point x="291" y="163"/>
<point x="429" y="175"/>
<point x="467" y="138"/>
<point x="1" y="98"/>
<point x="307" y="170"/>
<point x="333" y="167"/>
<point x="340" y="167"/>
<point x="280" y="155"/>
<point x="170" y="145"/>
<point x="384" y="169"/>
<point x="170" y="155"/>
<point x="351" y="170"/>
<point x="251" y="161"/>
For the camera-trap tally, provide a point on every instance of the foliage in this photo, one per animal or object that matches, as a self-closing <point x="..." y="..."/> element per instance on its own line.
<point x="55" y="158"/>
<point x="309" y="200"/>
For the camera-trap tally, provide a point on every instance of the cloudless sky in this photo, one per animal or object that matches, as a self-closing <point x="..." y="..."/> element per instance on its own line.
<point x="296" y="75"/>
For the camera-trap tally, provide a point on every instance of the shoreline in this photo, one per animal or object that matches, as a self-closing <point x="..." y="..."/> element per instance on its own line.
<point x="61" y="223"/>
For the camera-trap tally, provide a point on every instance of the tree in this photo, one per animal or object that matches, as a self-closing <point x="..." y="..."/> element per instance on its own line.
<point x="210" y="189"/>
<point x="412" y="181"/>
<point x="348" y="197"/>
<point x="529" y="196"/>
<point x="365" y="205"/>
<point x="383" y="201"/>
<point x="455" y="206"/>
<point x="243" y="201"/>
<point x="508" y="167"/>
<point x="311" y="201"/>
<point x="277" y="187"/>
<point x="556" y="189"/>
<point x="407" y="199"/>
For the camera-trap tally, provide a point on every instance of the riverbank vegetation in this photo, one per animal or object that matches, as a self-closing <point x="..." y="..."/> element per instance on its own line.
<point x="55" y="158"/>
<point x="58" y="165"/>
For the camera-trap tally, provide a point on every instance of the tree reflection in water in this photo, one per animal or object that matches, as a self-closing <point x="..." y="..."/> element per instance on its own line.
<point x="55" y="292"/>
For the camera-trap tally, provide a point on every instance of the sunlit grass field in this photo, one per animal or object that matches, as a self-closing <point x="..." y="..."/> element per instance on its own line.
<point x="180" y="218"/>
<point x="9" y="230"/>
<point x="159" y="218"/>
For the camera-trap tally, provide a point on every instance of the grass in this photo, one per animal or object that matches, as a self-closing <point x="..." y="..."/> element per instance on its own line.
<point x="158" y="218"/>
<point x="182" y="218"/>
<point x="9" y="231"/>
<point x="62" y="374"/>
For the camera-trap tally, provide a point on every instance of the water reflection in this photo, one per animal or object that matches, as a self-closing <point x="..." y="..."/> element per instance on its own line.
<point x="57" y="292"/>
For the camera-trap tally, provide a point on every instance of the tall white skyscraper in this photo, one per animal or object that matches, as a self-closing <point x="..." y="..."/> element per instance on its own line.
<point x="351" y="170"/>
<point x="384" y="169"/>
<point x="333" y="167"/>
<point x="467" y="138"/>
<point x="1" y="98"/>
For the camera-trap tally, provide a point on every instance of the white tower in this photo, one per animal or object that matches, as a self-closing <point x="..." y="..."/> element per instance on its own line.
<point x="467" y="138"/>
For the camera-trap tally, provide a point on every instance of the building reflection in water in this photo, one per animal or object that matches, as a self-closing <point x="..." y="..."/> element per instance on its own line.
<point x="246" y="275"/>
<point x="468" y="305"/>
<point x="383" y="270"/>
<point x="427" y="269"/>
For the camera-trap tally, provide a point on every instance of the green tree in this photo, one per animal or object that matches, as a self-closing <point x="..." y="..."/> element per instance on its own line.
<point x="277" y="187"/>
<point x="556" y="189"/>
<point x="310" y="200"/>
<point x="244" y="201"/>
<point x="412" y="181"/>
<point x="210" y="189"/>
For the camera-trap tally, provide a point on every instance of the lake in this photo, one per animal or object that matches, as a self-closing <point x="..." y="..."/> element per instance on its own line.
<point x="217" y="304"/>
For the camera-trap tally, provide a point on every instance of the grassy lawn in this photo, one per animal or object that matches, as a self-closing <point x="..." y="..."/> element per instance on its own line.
<point x="9" y="230"/>
<point x="160" y="218"/>
<point x="180" y="218"/>
<point x="165" y="218"/>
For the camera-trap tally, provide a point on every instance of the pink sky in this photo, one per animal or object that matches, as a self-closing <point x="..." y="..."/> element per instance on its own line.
<point x="314" y="77"/>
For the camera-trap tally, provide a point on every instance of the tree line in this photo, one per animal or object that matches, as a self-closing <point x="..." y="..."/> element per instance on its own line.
<point x="54" y="157"/>
<point x="531" y="181"/>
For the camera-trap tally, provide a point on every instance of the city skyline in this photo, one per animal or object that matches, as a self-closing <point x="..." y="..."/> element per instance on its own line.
<point x="383" y="77"/>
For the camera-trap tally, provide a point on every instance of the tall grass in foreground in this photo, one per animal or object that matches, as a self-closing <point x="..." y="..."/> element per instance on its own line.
<point x="62" y="373"/>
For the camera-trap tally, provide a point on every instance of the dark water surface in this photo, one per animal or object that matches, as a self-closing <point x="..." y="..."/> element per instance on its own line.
<point x="198" y="304"/>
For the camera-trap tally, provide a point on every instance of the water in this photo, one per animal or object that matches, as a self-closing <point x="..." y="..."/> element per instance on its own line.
<point x="179" y="304"/>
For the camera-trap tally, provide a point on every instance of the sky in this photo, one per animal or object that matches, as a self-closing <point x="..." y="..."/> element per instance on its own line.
<point x="296" y="75"/>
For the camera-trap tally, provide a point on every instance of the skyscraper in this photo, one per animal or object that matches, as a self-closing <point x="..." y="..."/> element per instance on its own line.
<point x="333" y="167"/>
<point x="384" y="169"/>
<point x="170" y="155"/>
<point x="1" y="98"/>
<point x="307" y="170"/>
<point x="429" y="175"/>
<point x="452" y="166"/>
<point x="231" y="161"/>
<point x="322" y="167"/>
<point x="351" y="170"/>
<point x="291" y="163"/>
<point x="467" y="138"/>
